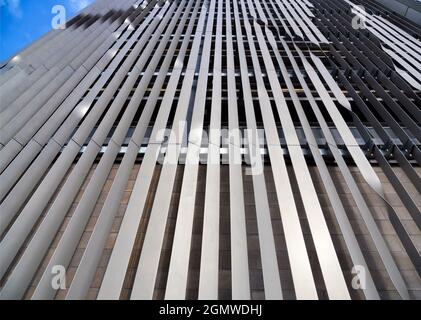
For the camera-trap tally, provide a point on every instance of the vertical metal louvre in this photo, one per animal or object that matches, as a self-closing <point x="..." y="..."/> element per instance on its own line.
<point x="214" y="149"/>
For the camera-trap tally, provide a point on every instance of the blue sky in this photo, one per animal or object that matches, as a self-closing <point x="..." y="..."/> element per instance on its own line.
<point x="23" y="21"/>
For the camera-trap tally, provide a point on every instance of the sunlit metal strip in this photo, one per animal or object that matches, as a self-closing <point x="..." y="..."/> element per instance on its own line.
<point x="77" y="223"/>
<point x="270" y="269"/>
<point x="368" y="174"/>
<point x="303" y="14"/>
<point x="383" y="27"/>
<point x="91" y="257"/>
<point x="82" y="41"/>
<point x="399" y="45"/>
<point x="303" y="21"/>
<point x="26" y="135"/>
<point x="391" y="148"/>
<point x="43" y="50"/>
<point x="401" y="51"/>
<point x="385" y="136"/>
<point x="180" y="254"/>
<point x="33" y="209"/>
<point x="117" y="266"/>
<point x="77" y="113"/>
<point x="151" y="250"/>
<point x="237" y="208"/>
<point x="271" y="277"/>
<point x="40" y="242"/>
<point x="54" y="140"/>
<point x="291" y="21"/>
<point x="300" y="265"/>
<point x="33" y="111"/>
<point x="14" y="117"/>
<point x="305" y="5"/>
<point x="357" y="257"/>
<point x="209" y="262"/>
<point x="329" y="263"/>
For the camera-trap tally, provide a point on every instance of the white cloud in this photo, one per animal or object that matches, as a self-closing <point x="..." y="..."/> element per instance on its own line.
<point x="13" y="6"/>
<point x="78" y="5"/>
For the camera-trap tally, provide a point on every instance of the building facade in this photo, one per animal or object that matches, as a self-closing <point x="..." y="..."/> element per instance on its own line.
<point x="214" y="149"/>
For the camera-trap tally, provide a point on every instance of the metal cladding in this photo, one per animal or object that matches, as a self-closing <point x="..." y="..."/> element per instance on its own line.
<point x="249" y="133"/>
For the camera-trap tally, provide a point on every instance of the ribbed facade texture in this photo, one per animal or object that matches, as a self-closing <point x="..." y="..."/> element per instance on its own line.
<point x="214" y="149"/>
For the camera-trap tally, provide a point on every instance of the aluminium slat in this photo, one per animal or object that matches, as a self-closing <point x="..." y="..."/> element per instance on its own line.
<point x="14" y="70"/>
<point x="90" y="259"/>
<point x="411" y="71"/>
<point x="25" y="98"/>
<point x="385" y="27"/>
<point x="114" y="275"/>
<point x="397" y="45"/>
<point x="44" y="113"/>
<point x="291" y="21"/>
<point x="179" y="261"/>
<point x="276" y="11"/>
<point x="209" y="264"/>
<point x="301" y="21"/>
<point x="401" y="72"/>
<point x="17" y="116"/>
<point x="271" y="277"/>
<point x="337" y="92"/>
<point x="18" y="113"/>
<point x="270" y="268"/>
<point x="71" y="51"/>
<point x="406" y="119"/>
<point x="15" y="86"/>
<point x="409" y="170"/>
<point x="77" y="45"/>
<point x="329" y="263"/>
<point x="357" y="257"/>
<point x="77" y="223"/>
<point x="390" y="39"/>
<point x="7" y="177"/>
<point x="78" y="37"/>
<point x="395" y="109"/>
<point x="8" y="96"/>
<point x="308" y="3"/>
<point x="408" y="103"/>
<point x="402" y="160"/>
<point x="27" y="217"/>
<point x="401" y="230"/>
<point x="366" y="171"/>
<point x="12" y="150"/>
<point x="9" y="207"/>
<point x="30" y="50"/>
<point x="16" y="284"/>
<point x="305" y="7"/>
<point x="385" y="136"/>
<point x="10" y="128"/>
<point x="68" y="35"/>
<point x="381" y="110"/>
<point x="400" y="188"/>
<point x="20" y="68"/>
<point x="310" y="24"/>
<point x="300" y="265"/>
<point x="415" y="43"/>
<point x="147" y="269"/>
<point x="47" y="38"/>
